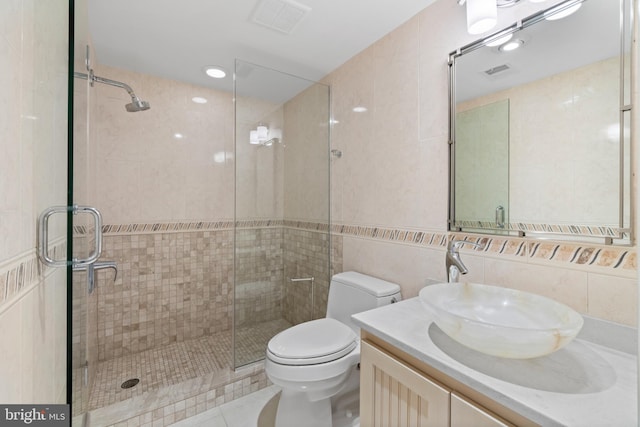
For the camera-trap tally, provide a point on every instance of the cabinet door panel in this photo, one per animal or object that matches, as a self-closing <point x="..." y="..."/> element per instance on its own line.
<point x="467" y="414"/>
<point x="393" y="394"/>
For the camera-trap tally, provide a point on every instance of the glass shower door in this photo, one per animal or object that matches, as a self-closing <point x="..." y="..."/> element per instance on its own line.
<point x="282" y="205"/>
<point x="83" y="306"/>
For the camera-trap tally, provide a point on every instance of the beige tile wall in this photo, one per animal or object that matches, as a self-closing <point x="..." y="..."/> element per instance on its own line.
<point x="143" y="173"/>
<point x="33" y="123"/>
<point x="393" y="173"/>
<point x="259" y="275"/>
<point x="306" y="254"/>
<point x="306" y="171"/>
<point x="175" y="286"/>
<point x="170" y="287"/>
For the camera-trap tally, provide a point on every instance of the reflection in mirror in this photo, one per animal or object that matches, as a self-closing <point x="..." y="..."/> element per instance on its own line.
<point x="536" y="131"/>
<point x="482" y="164"/>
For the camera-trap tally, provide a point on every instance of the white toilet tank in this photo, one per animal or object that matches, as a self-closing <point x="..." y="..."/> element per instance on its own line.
<point x="351" y="293"/>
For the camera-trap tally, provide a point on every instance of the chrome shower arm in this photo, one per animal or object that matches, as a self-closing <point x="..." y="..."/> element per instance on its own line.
<point x="136" y="103"/>
<point x="93" y="79"/>
<point x="116" y="84"/>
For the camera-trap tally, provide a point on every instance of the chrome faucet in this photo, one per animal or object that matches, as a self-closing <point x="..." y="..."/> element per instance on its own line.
<point x="455" y="266"/>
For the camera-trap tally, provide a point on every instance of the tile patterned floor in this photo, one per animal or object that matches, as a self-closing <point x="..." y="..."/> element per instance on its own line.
<point x="159" y="368"/>
<point x="252" y="341"/>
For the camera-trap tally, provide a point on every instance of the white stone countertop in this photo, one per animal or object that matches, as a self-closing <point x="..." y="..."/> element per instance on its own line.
<point x="590" y="382"/>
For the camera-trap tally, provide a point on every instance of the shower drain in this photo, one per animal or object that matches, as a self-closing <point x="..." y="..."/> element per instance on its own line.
<point x="130" y="383"/>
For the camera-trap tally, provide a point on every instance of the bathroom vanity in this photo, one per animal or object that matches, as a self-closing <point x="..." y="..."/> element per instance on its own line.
<point x="412" y="374"/>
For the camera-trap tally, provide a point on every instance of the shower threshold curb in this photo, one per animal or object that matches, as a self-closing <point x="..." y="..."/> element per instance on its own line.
<point x="198" y="389"/>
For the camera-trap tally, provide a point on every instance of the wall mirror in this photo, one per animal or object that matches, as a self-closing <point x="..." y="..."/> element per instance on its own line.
<point x="540" y="134"/>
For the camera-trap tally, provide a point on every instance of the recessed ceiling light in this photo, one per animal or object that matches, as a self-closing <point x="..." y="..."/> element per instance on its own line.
<point x="199" y="100"/>
<point x="215" y="72"/>
<point x="359" y="109"/>
<point x="512" y="45"/>
<point x="178" y="135"/>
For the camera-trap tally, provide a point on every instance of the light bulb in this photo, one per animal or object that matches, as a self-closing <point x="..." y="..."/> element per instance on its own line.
<point x="263" y="133"/>
<point x="253" y="137"/>
<point x="482" y="15"/>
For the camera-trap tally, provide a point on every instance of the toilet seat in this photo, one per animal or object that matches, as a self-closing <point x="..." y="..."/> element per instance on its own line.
<point x="313" y="342"/>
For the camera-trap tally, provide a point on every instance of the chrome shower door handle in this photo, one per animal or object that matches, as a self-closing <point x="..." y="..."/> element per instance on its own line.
<point x="91" y="272"/>
<point x="43" y="235"/>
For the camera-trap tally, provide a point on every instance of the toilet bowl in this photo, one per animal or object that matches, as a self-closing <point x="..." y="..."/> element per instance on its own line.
<point x="315" y="361"/>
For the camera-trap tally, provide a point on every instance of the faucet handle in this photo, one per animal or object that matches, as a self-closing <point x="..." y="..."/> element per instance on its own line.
<point x="454" y="245"/>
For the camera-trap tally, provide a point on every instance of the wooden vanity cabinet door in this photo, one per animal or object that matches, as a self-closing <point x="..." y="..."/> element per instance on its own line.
<point x="393" y="394"/>
<point x="466" y="414"/>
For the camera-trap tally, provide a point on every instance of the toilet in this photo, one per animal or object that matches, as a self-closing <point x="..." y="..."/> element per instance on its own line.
<point x="316" y="362"/>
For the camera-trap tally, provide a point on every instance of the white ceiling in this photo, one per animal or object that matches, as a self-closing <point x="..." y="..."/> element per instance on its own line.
<point x="177" y="38"/>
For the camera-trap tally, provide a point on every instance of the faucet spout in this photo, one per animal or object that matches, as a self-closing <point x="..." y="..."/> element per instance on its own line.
<point x="455" y="266"/>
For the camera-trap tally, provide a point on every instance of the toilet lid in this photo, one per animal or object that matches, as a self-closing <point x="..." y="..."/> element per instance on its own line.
<point x="316" y="341"/>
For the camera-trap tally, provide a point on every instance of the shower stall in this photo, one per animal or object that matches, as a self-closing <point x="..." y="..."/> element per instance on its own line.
<point x="282" y="240"/>
<point x="219" y="242"/>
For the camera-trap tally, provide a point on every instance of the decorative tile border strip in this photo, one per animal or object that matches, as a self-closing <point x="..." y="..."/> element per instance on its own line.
<point x="18" y="275"/>
<point x="307" y="225"/>
<point x="569" y="229"/>
<point x="495" y="245"/>
<point x="172" y="227"/>
<point x="614" y="257"/>
<point x="392" y="234"/>
<point x="169" y="227"/>
<point x="599" y="256"/>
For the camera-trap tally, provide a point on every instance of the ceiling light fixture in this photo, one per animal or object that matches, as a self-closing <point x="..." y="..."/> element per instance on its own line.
<point x="199" y="100"/>
<point x="511" y="46"/>
<point x="482" y="15"/>
<point x="215" y="72"/>
<point x="359" y="109"/>
<point x="262" y="135"/>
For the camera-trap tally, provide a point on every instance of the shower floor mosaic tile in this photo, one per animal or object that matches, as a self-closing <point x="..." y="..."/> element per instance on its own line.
<point x="179" y="362"/>
<point x="252" y="340"/>
<point x="160" y="367"/>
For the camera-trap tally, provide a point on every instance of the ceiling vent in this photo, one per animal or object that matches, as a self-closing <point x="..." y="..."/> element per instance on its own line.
<point x="280" y="15"/>
<point x="497" y="69"/>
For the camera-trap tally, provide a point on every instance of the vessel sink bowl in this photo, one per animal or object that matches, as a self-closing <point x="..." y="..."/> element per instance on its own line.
<point x="500" y="321"/>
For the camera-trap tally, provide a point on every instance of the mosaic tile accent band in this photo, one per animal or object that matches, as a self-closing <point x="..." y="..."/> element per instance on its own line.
<point x="169" y="227"/>
<point x="20" y="274"/>
<point x="614" y="257"/>
<point x="422" y="238"/>
<point x="617" y="257"/>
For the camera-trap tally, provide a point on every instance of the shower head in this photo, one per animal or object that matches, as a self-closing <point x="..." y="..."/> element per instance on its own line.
<point x="137" y="104"/>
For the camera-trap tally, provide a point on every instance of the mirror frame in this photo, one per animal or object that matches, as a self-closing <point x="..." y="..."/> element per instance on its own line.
<point x="624" y="234"/>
